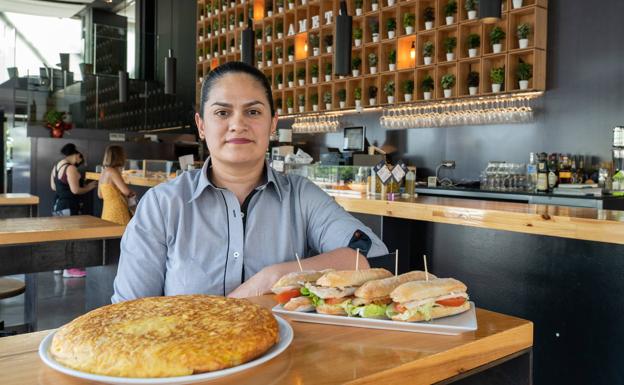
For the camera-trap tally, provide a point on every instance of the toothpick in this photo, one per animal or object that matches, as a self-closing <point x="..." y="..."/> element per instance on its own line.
<point x="298" y="262"/>
<point x="357" y="259"/>
<point x="396" y="262"/>
<point x="426" y="271"/>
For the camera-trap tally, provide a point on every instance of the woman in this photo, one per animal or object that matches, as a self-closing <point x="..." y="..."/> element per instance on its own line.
<point x="65" y="181"/>
<point x="234" y="227"/>
<point x="112" y="188"/>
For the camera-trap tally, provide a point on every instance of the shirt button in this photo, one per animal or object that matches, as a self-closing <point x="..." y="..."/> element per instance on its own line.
<point x="236" y="254"/>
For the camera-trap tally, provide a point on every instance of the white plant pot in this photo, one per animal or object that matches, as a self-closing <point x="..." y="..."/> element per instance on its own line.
<point x="496" y="88"/>
<point x="280" y="60"/>
<point x="328" y="49"/>
<point x="201" y="17"/>
<point x="372" y="102"/>
<point x="472" y="90"/>
<point x="223" y="30"/>
<point x="224" y="51"/>
<point x="523" y="43"/>
<point x="232" y="49"/>
<point x="373" y="70"/>
<point x="301" y="82"/>
<point x="303" y="2"/>
<point x="390" y="34"/>
<point x="392" y="67"/>
<point x="342" y="104"/>
<point x="407" y="97"/>
<point x="358" y="11"/>
<point x="208" y="56"/>
<point x="314" y="80"/>
<point x="232" y="4"/>
<point x="450" y="20"/>
<point x="268" y="39"/>
<point x="224" y="8"/>
<point x="374" y="7"/>
<point x="328" y="78"/>
<point x="291" y="84"/>
<point x="301" y="109"/>
<point x="448" y="93"/>
<point x="315" y="107"/>
<point x="200" y="58"/>
<point x="258" y="41"/>
<point x="259" y="64"/>
<point x="524" y="84"/>
<point x="390" y="3"/>
<point x="269" y="63"/>
<point x="280" y="9"/>
<point x="279" y="111"/>
<point x="427" y="60"/>
<point x="409" y="30"/>
<point x="390" y="99"/>
<point x="428" y="25"/>
<point x="290" y="110"/>
<point x="427" y="95"/>
<point x="280" y="86"/>
<point x="280" y="35"/>
<point x="291" y="5"/>
<point x="497" y="48"/>
<point x="291" y="57"/>
<point x="375" y="38"/>
<point x="316" y="51"/>
<point x="328" y="106"/>
<point x="450" y="56"/>
<point x="517" y="4"/>
<point x="358" y="104"/>
<point x="269" y="13"/>
<point x="472" y="15"/>
<point x="241" y="24"/>
<point x="201" y="38"/>
<point x="341" y="77"/>
<point x="355" y="72"/>
<point x="357" y="42"/>
<point x="472" y="52"/>
<point x="231" y="28"/>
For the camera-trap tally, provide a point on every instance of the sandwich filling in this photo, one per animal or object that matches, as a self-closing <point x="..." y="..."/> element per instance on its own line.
<point x="406" y="310"/>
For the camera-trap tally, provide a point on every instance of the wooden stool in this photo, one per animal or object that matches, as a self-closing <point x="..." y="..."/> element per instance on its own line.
<point x="10" y="287"/>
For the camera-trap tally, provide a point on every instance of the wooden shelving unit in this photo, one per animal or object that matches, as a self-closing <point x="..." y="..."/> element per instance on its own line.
<point x="223" y="46"/>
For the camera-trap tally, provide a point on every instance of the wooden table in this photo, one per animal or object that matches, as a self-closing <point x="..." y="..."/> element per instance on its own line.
<point x="131" y="179"/>
<point x="325" y="354"/>
<point x="18" y="205"/>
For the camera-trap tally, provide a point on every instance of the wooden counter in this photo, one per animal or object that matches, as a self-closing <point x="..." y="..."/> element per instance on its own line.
<point x="130" y="179"/>
<point x="325" y="354"/>
<point x="18" y="205"/>
<point x="18" y="199"/>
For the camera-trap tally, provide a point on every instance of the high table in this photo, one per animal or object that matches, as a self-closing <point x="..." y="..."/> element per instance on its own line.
<point x="18" y="205"/>
<point x="326" y="354"/>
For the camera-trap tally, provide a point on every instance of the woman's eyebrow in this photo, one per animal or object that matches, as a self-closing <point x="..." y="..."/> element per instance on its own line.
<point x="228" y="105"/>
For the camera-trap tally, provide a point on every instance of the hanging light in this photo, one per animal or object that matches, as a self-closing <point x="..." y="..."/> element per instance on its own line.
<point x="413" y="51"/>
<point x="123" y="86"/>
<point x="342" y="41"/>
<point x="305" y="46"/>
<point x="490" y="11"/>
<point x="247" y="45"/>
<point x="170" y="74"/>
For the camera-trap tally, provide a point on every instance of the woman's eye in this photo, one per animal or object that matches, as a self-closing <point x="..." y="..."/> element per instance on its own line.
<point x="254" y="112"/>
<point x="221" y="113"/>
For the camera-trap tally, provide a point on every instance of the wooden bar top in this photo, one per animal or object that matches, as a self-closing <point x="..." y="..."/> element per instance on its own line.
<point x="131" y="179"/>
<point x="18" y="199"/>
<point x="326" y="354"/>
<point x="558" y="221"/>
<point x="46" y="229"/>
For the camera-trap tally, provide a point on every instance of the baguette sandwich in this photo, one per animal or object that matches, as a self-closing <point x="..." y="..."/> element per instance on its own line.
<point x="427" y="300"/>
<point x="288" y="290"/>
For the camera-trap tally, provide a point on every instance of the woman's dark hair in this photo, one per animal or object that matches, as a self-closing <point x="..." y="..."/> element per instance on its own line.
<point x="69" y="149"/>
<point x="234" y="67"/>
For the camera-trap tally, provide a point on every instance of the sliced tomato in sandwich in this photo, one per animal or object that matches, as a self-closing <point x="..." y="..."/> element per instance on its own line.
<point x="452" y="302"/>
<point x="286" y="296"/>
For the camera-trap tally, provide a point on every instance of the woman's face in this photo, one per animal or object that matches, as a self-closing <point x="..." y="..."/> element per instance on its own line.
<point x="237" y="120"/>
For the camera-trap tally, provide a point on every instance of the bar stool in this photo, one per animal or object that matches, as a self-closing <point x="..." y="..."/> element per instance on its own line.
<point x="10" y="287"/>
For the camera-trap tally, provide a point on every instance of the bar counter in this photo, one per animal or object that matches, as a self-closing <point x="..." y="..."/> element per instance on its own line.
<point x="326" y="354"/>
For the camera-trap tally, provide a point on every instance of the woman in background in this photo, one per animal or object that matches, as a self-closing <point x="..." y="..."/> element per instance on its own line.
<point x="112" y="188"/>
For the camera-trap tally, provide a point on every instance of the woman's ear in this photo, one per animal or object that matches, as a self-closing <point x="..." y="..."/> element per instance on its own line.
<point x="199" y="122"/>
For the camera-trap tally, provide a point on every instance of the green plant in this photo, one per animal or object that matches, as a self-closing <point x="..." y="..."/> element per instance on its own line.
<point x="327" y="97"/>
<point x="223" y="45"/>
<point x="427" y="83"/>
<point x="241" y="17"/>
<point x="279" y="3"/>
<point x="392" y="56"/>
<point x="342" y="95"/>
<point x="429" y="14"/>
<point x="215" y="47"/>
<point x="278" y="103"/>
<point x="471" y="5"/>
<point x="279" y="26"/>
<point x="372" y="60"/>
<point x="451" y="8"/>
<point x="215" y="25"/>
<point x="391" y="24"/>
<point x="279" y="51"/>
<point x="314" y="40"/>
<point x="357" y="33"/>
<point x="473" y="79"/>
<point x="291" y="50"/>
<point x="407" y="86"/>
<point x="374" y="2"/>
<point x="314" y="70"/>
<point x="314" y="99"/>
<point x="268" y="55"/>
<point x="328" y="69"/>
<point x="450" y="43"/>
<point x="409" y="19"/>
<point x="259" y="56"/>
<point x="301" y="99"/>
<point x="268" y="31"/>
<point x="524" y="70"/>
<point x="289" y="102"/>
<point x="232" y="19"/>
<point x="372" y="92"/>
<point x="524" y="30"/>
<point x="389" y="88"/>
<point x="301" y="73"/>
<point x="290" y="76"/>
<point x="356" y="62"/>
<point x="447" y="81"/>
<point x="473" y="40"/>
<point x="328" y="40"/>
<point x="208" y="29"/>
<point x="208" y="7"/>
<point x="258" y="33"/>
<point x="374" y="26"/>
<point x="428" y="48"/>
<point x="358" y="4"/>
<point x="279" y="78"/>
<point x="497" y="34"/>
<point x="357" y="93"/>
<point x="497" y="75"/>
<point x="200" y="52"/>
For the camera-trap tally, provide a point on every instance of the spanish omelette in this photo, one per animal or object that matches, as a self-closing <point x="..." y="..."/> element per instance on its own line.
<point x="166" y="336"/>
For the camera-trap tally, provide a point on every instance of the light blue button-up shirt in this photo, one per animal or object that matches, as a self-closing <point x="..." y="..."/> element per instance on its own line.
<point x="187" y="236"/>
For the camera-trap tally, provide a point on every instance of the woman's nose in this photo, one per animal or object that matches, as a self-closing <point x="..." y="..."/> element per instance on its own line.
<point x="237" y="122"/>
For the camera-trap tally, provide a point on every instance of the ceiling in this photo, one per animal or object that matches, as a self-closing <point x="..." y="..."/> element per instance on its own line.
<point x="51" y="8"/>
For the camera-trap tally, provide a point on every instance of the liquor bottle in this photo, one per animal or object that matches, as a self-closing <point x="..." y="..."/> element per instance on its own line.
<point x="542" y="174"/>
<point x="574" y="171"/>
<point x="552" y="171"/>
<point x="565" y="174"/>
<point x="532" y="172"/>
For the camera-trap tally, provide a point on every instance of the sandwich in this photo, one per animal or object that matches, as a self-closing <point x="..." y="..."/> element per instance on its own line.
<point x="426" y="300"/>
<point x="288" y="290"/>
<point x="372" y="298"/>
<point x="332" y="293"/>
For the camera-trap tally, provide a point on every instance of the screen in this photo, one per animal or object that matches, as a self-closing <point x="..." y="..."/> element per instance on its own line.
<point x="354" y="138"/>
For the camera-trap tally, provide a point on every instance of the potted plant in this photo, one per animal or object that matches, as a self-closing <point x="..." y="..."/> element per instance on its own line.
<point x="278" y="104"/>
<point x="357" y="95"/>
<point x="372" y="95"/>
<point x="517" y="4"/>
<point x="392" y="60"/>
<point x="232" y="45"/>
<point x="357" y="36"/>
<point x="473" y="41"/>
<point x="279" y="79"/>
<point x="408" y="89"/>
<point x="314" y="101"/>
<point x="223" y="6"/>
<point x="374" y="5"/>
<point x="329" y="41"/>
<point x="291" y="4"/>
<point x="496" y="36"/>
<point x="232" y="22"/>
<point x="223" y="47"/>
<point x="497" y="77"/>
<point x="291" y="52"/>
<point x="429" y="16"/>
<point x="389" y="91"/>
<point x="223" y="24"/>
<point x="241" y="20"/>
<point x="471" y="8"/>
<point x="259" y="59"/>
<point x="208" y="8"/>
<point x="200" y="54"/>
<point x="524" y="72"/>
<point x="372" y="62"/>
<point x="208" y="30"/>
<point x="342" y="97"/>
<point x="374" y="27"/>
<point x="279" y="52"/>
<point x="268" y="56"/>
<point x="279" y="29"/>
<point x="301" y="74"/>
<point x="327" y="99"/>
<point x="473" y="82"/>
<point x="449" y="11"/>
<point x="259" y="36"/>
<point x="291" y="79"/>
<point x="524" y="30"/>
<point x="449" y="45"/>
<point x="314" y="43"/>
<point x="215" y="49"/>
<point x="269" y="7"/>
<point x="289" y="104"/>
<point x="390" y="3"/>
<point x="268" y="33"/>
<point x="200" y="34"/>
<point x="355" y="65"/>
<point x="314" y="72"/>
<point x="215" y="27"/>
<point x="358" y="7"/>
<point x="328" y="71"/>
<point x="408" y="23"/>
<point x="447" y="82"/>
<point x="427" y="85"/>
<point x="428" y="52"/>
<point x="301" y="102"/>
<point x="391" y="27"/>
<point x="280" y="6"/>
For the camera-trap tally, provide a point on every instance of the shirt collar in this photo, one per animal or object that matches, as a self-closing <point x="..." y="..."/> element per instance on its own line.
<point x="204" y="181"/>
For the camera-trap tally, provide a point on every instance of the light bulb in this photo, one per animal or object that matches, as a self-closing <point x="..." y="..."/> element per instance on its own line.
<point x="305" y="46"/>
<point x="413" y="51"/>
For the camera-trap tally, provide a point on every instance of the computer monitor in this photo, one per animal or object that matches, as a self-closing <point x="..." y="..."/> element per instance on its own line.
<point x="354" y="139"/>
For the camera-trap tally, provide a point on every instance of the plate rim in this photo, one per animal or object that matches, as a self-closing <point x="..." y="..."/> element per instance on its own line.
<point x="286" y="335"/>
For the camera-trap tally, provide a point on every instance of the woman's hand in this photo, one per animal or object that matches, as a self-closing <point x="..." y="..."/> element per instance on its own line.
<point x="259" y="284"/>
<point x="91" y="185"/>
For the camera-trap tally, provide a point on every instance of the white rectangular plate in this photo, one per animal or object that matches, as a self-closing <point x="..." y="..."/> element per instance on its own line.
<point x="453" y="325"/>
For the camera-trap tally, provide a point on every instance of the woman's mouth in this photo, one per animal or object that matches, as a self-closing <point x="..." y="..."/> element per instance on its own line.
<point x="238" y="141"/>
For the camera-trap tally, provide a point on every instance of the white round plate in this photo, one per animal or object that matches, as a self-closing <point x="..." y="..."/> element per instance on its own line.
<point x="285" y="338"/>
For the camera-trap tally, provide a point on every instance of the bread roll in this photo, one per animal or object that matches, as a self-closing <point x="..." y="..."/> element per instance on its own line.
<point x="437" y="312"/>
<point x="418" y="290"/>
<point x="299" y="304"/>
<point x="383" y="287"/>
<point x="291" y="280"/>
<point x="343" y="278"/>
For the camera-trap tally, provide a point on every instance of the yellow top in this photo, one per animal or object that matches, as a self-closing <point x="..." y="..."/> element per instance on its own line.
<point x="115" y="207"/>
